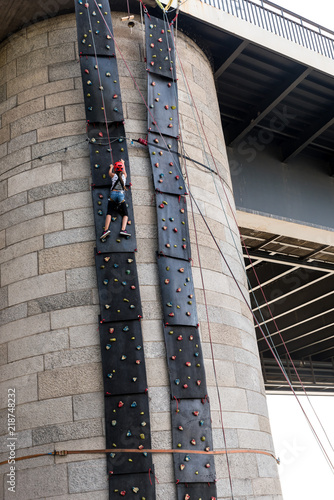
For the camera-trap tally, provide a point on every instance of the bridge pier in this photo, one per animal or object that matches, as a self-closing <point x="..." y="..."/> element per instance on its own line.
<point x="50" y="342"/>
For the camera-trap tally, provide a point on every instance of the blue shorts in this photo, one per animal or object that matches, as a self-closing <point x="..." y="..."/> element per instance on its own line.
<point x="116" y="196"/>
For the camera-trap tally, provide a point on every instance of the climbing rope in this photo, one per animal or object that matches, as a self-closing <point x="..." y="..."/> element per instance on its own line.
<point x="63" y="453"/>
<point x="203" y="287"/>
<point x="278" y="360"/>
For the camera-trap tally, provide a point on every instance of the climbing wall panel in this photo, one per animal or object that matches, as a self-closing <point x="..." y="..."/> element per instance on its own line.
<point x="128" y="427"/>
<point x="134" y="486"/>
<point x="185" y="362"/>
<point x="114" y="242"/>
<point x="118" y="287"/>
<point x="191" y="429"/>
<point x="196" y="491"/>
<point x="103" y="153"/>
<point x="94" y="27"/>
<point x="159" y="48"/>
<point x="177" y="290"/>
<point x="166" y="170"/>
<point x="190" y="408"/>
<point x="123" y="362"/>
<point x="101" y="88"/>
<point x="173" y="233"/>
<point x="123" y="358"/>
<point x="162" y="100"/>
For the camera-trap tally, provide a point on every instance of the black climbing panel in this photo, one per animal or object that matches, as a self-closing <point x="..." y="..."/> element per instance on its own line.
<point x="191" y="428"/>
<point x="102" y="154"/>
<point x="134" y="486"/>
<point x="167" y="176"/>
<point x="95" y="35"/>
<point x="177" y="290"/>
<point x="101" y="89"/>
<point x="118" y="287"/>
<point x="159" y="47"/>
<point x="123" y="364"/>
<point x="114" y="242"/>
<point x="162" y="101"/>
<point x="172" y="221"/>
<point x="122" y="358"/>
<point x="128" y="427"/>
<point x="196" y="491"/>
<point x="191" y="425"/>
<point x="185" y="362"/>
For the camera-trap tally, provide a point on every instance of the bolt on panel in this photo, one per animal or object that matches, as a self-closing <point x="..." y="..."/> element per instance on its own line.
<point x="137" y="486"/>
<point x="162" y="101"/>
<point x="123" y="363"/>
<point x="128" y="427"/>
<point x="166" y="169"/>
<point x="185" y="362"/>
<point x="101" y="89"/>
<point x="114" y="242"/>
<point x="199" y="491"/>
<point x="177" y="290"/>
<point x="94" y="27"/>
<point x="118" y="287"/>
<point x="159" y="47"/>
<point x="172" y="221"/>
<point x="191" y="429"/>
<point x="103" y="154"/>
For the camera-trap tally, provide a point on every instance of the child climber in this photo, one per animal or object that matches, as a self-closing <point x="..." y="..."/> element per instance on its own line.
<point x="116" y="198"/>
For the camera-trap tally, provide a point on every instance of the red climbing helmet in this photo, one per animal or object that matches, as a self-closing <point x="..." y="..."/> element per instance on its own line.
<point x="118" y="166"/>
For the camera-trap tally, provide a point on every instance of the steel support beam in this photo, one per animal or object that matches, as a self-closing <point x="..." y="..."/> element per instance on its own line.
<point x="293" y="148"/>
<point x="234" y="54"/>
<point x="236" y="133"/>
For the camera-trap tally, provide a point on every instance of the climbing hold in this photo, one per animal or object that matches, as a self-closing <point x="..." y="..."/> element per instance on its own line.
<point x="123" y="357"/>
<point x="107" y="306"/>
<point x="166" y="107"/>
<point x="193" y="442"/>
<point x="185" y="386"/>
<point x="188" y="363"/>
<point x="169" y="304"/>
<point x="126" y="329"/>
<point x="180" y="337"/>
<point x="113" y="423"/>
<point x="108" y="346"/>
<point x="198" y="382"/>
<point x="135" y="489"/>
<point x="164" y="228"/>
<point x="182" y="466"/>
<point x="142" y="436"/>
<point x="133" y="404"/>
<point x="166" y="282"/>
<point x="120" y="404"/>
<point x="181" y="270"/>
<point x="175" y="229"/>
<point x="188" y="313"/>
<point x="196" y="413"/>
<point x="203" y="438"/>
<point x="177" y="381"/>
<point x="153" y="84"/>
<point x="201" y="422"/>
<point x="128" y="434"/>
<point x="173" y="357"/>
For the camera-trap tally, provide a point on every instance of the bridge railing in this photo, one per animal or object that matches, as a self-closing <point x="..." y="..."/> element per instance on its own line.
<point x="280" y="21"/>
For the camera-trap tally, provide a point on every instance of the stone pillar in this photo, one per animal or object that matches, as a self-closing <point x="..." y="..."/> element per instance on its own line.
<point x="50" y="349"/>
